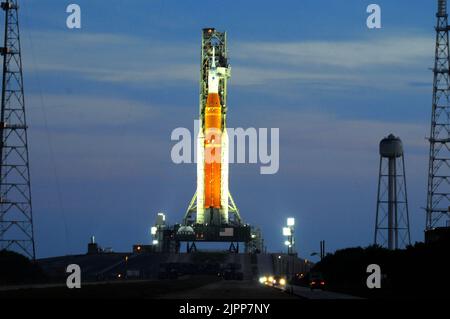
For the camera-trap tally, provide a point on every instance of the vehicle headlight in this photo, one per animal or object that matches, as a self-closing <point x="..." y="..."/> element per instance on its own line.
<point x="282" y="281"/>
<point x="270" y="279"/>
<point x="262" y="279"/>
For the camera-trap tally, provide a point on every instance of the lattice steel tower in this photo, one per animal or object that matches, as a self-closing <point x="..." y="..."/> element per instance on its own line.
<point x="16" y="218"/>
<point x="438" y="197"/>
<point x="392" y="216"/>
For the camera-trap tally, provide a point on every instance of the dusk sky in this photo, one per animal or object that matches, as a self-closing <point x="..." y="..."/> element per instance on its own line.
<point x="102" y="102"/>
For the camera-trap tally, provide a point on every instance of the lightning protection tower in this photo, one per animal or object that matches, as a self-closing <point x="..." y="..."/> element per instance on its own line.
<point x="438" y="195"/>
<point x="392" y="217"/>
<point x="16" y="219"/>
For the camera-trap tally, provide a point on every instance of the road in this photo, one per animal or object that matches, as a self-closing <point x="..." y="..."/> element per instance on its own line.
<point x="113" y="289"/>
<point x="230" y="289"/>
<point x="200" y="288"/>
<point x="307" y="293"/>
<point x="63" y="285"/>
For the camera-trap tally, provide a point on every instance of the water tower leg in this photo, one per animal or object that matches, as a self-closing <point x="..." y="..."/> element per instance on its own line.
<point x="391" y="201"/>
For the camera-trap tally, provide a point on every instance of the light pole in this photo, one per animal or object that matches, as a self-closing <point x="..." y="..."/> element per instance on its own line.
<point x="289" y="233"/>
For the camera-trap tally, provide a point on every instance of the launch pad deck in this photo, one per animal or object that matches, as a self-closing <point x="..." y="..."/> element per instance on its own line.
<point x="212" y="233"/>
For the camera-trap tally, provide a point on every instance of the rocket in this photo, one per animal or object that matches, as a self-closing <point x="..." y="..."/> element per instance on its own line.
<point x="212" y="155"/>
<point x="213" y="140"/>
<point x="212" y="203"/>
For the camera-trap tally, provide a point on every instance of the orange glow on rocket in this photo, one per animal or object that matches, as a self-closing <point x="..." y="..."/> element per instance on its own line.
<point x="213" y="150"/>
<point x="212" y="201"/>
<point x="213" y="140"/>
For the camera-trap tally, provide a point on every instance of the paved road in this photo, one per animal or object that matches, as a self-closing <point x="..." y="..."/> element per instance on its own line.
<point x="63" y="285"/>
<point x="224" y="289"/>
<point x="230" y="289"/>
<point x="307" y="293"/>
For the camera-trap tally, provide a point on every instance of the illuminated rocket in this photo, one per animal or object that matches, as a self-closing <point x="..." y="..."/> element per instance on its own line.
<point x="212" y="154"/>
<point x="212" y="203"/>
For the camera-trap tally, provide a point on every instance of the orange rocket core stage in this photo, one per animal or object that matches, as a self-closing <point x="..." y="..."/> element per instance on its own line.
<point x="213" y="150"/>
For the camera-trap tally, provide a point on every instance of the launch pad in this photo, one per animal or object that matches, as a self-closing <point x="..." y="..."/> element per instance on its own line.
<point x="169" y="239"/>
<point x="212" y="233"/>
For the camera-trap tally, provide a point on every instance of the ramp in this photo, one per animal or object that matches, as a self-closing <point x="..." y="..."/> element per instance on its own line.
<point x="265" y="264"/>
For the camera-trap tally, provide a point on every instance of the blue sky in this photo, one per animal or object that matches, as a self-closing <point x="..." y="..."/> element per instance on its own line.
<point x="103" y="100"/>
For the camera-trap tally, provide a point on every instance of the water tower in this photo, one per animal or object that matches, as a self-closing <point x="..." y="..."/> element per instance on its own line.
<point x="392" y="217"/>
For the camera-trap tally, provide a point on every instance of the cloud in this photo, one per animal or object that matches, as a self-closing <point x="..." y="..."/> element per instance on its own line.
<point x="389" y="62"/>
<point x="88" y="111"/>
<point x="312" y="145"/>
<point x="251" y="75"/>
<point x="113" y="58"/>
<point x="104" y="138"/>
<point x="99" y="138"/>
<point x="140" y="62"/>
<point x="388" y="51"/>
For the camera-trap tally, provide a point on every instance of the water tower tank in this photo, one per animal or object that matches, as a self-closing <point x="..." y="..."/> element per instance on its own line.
<point x="391" y="147"/>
